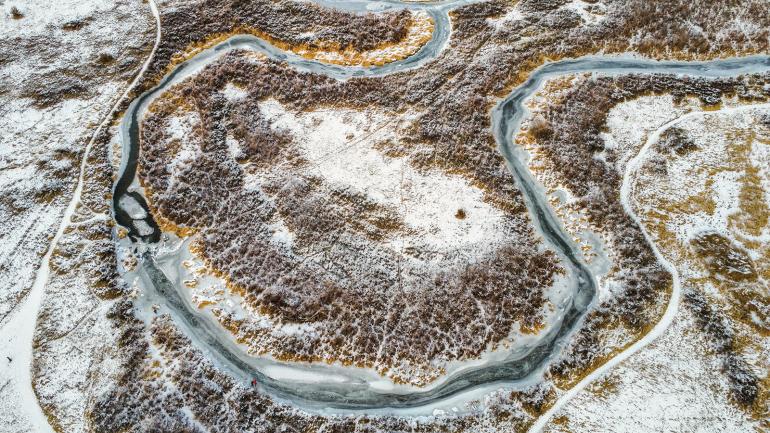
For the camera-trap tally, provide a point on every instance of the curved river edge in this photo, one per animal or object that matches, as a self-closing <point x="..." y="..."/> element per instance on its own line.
<point x="506" y="121"/>
<point x="128" y="214"/>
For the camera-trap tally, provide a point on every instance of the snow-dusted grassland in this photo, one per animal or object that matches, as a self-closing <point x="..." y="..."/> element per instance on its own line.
<point x="445" y="219"/>
<point x="247" y="134"/>
<point x="701" y="194"/>
<point x="338" y="242"/>
<point x="451" y="133"/>
<point x="63" y="63"/>
<point x="62" y="66"/>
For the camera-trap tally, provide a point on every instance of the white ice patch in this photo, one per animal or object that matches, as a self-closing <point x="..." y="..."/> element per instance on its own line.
<point x="134" y="209"/>
<point x="302" y="375"/>
<point x="143" y="228"/>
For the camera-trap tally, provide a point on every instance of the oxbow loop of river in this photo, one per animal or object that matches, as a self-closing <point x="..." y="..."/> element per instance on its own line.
<point x="522" y="365"/>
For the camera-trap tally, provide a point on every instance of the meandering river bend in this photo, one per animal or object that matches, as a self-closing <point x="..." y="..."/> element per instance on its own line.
<point x="522" y="365"/>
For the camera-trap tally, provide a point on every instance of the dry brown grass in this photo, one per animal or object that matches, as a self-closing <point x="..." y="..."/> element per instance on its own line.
<point x="420" y="31"/>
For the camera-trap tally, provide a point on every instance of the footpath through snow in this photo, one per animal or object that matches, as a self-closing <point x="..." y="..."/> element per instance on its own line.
<point x="17" y="333"/>
<point x="673" y="305"/>
<point x="19" y="329"/>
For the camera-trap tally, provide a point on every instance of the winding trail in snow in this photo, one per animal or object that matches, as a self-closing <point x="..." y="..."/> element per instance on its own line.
<point x="626" y="194"/>
<point x="21" y="325"/>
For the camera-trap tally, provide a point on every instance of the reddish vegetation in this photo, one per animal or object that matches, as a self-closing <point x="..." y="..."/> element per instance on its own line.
<point x="292" y="22"/>
<point x="16" y="13"/>
<point x="143" y="400"/>
<point x="452" y="135"/>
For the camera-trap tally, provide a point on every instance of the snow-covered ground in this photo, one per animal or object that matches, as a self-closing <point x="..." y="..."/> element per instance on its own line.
<point x="590" y="12"/>
<point x="678" y="383"/>
<point x="52" y="102"/>
<point x="340" y="146"/>
<point x="670" y="386"/>
<point x="66" y="63"/>
<point x="48" y="116"/>
<point x="445" y="215"/>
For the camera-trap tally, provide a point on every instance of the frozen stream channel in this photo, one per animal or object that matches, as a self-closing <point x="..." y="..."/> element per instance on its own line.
<point x="356" y="393"/>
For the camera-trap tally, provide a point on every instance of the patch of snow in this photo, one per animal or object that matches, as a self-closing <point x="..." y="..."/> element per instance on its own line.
<point x="233" y="147"/>
<point x="643" y="399"/>
<point x="581" y="8"/>
<point x="181" y="128"/>
<point x="513" y="14"/>
<point x="340" y="147"/>
<point x="629" y="123"/>
<point x="234" y="93"/>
